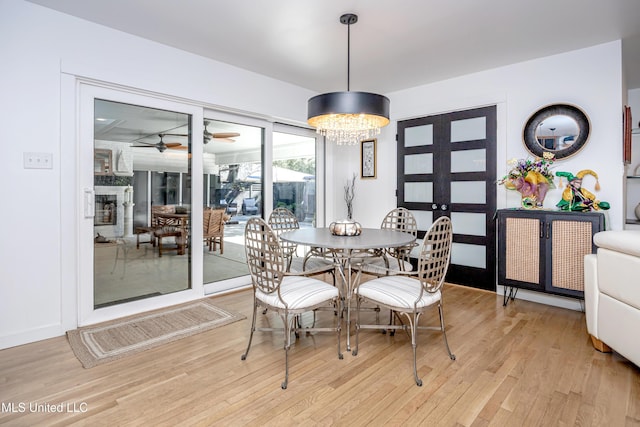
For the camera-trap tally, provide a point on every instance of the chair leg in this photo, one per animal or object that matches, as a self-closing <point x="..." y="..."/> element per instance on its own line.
<point x="115" y="261"/>
<point x="444" y="334"/>
<point x="124" y="259"/>
<point x="339" y="330"/>
<point x="413" y="327"/>
<point x="253" y="328"/>
<point x="355" y="350"/>
<point x="287" y="320"/>
<point x="221" y="246"/>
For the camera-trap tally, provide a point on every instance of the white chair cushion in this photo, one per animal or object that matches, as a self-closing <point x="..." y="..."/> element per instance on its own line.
<point x="299" y="293"/>
<point x="399" y="292"/>
<point x="313" y="263"/>
<point x="377" y="266"/>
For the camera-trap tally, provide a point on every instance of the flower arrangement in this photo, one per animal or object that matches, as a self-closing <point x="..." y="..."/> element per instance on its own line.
<point x="532" y="178"/>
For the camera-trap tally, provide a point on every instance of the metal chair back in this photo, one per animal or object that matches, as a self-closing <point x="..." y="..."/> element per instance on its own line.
<point x="265" y="258"/>
<point x="435" y="254"/>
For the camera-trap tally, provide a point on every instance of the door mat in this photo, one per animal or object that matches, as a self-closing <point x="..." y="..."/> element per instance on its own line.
<point x="97" y="344"/>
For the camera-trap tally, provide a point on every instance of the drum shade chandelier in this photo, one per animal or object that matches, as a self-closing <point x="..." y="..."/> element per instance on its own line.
<point x="348" y="117"/>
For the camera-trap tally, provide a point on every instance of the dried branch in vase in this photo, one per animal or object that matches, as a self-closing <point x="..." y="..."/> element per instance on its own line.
<point x="349" y="195"/>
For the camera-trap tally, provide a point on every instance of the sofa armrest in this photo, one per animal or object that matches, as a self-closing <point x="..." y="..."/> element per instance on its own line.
<point x="591" y="293"/>
<point x="624" y="241"/>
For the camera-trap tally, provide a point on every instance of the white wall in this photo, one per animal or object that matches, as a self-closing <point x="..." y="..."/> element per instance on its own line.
<point x="38" y="47"/>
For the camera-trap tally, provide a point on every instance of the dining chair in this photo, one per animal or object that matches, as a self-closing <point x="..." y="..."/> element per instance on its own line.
<point x="388" y="261"/>
<point x="286" y="293"/>
<point x="282" y="220"/>
<point x="164" y="227"/>
<point x="410" y="294"/>
<point x="213" y="228"/>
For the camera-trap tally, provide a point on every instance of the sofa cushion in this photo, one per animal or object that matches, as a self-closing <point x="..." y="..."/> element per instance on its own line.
<point x="625" y="241"/>
<point x="617" y="325"/>
<point x="618" y="276"/>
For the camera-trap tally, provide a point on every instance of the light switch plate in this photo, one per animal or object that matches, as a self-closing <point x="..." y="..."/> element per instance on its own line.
<point x="38" y="160"/>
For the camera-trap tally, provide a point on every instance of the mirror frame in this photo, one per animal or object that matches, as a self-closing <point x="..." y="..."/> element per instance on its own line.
<point x="529" y="131"/>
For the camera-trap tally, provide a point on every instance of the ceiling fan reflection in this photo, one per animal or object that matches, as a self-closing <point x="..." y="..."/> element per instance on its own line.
<point x="162" y="146"/>
<point x="208" y="136"/>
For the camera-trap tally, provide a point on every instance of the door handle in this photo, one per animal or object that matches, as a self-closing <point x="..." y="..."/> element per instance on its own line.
<point x="89" y="203"/>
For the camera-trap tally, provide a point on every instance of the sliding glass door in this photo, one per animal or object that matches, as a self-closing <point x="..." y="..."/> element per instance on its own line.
<point x="141" y="159"/>
<point x="232" y="193"/>
<point x="250" y="168"/>
<point x="165" y="190"/>
<point x="136" y="222"/>
<point x="294" y="173"/>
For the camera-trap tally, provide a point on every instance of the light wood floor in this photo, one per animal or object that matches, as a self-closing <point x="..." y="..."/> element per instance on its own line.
<point x="526" y="364"/>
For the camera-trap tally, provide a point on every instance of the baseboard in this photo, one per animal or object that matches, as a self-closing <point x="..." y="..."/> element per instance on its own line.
<point x="33" y="335"/>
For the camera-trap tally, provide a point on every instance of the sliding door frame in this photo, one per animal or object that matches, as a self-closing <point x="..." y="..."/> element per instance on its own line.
<point x="88" y="92"/>
<point x="77" y="118"/>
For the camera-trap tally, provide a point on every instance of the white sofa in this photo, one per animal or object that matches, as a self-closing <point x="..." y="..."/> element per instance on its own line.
<point x="612" y="293"/>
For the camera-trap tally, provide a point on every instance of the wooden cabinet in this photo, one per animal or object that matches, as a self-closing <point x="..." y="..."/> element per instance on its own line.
<point x="542" y="250"/>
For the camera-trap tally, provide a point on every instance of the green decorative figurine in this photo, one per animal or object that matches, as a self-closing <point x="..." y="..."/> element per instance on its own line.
<point x="576" y="198"/>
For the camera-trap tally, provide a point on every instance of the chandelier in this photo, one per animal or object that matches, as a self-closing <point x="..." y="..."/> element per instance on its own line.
<point x="348" y="117"/>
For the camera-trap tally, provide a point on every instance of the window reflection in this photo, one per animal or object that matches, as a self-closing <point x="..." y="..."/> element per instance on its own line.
<point x="145" y="168"/>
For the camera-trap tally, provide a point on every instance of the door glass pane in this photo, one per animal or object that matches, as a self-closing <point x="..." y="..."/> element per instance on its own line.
<point x="423" y="218"/>
<point x="469" y="255"/>
<point x="420" y="192"/>
<point x="418" y="135"/>
<point x="142" y="221"/>
<point x="294" y="175"/>
<point x="469" y="160"/>
<point x="418" y="163"/>
<point x="474" y="224"/>
<point x="469" y="129"/>
<point x="232" y="159"/>
<point x="469" y="192"/>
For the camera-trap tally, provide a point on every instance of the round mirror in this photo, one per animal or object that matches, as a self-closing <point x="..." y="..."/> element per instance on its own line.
<point x="560" y="129"/>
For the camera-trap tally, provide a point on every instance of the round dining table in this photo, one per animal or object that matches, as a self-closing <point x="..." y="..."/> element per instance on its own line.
<point x="370" y="238"/>
<point x="344" y="249"/>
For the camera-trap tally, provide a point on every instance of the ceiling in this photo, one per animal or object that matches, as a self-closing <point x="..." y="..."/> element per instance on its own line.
<point x="142" y="126"/>
<point x="395" y="44"/>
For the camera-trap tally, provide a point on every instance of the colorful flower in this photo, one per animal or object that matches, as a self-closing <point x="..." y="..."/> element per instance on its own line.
<point x="533" y="170"/>
<point x="532" y="178"/>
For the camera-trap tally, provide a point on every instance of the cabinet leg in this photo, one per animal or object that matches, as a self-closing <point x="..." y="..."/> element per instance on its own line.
<point x="510" y="296"/>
